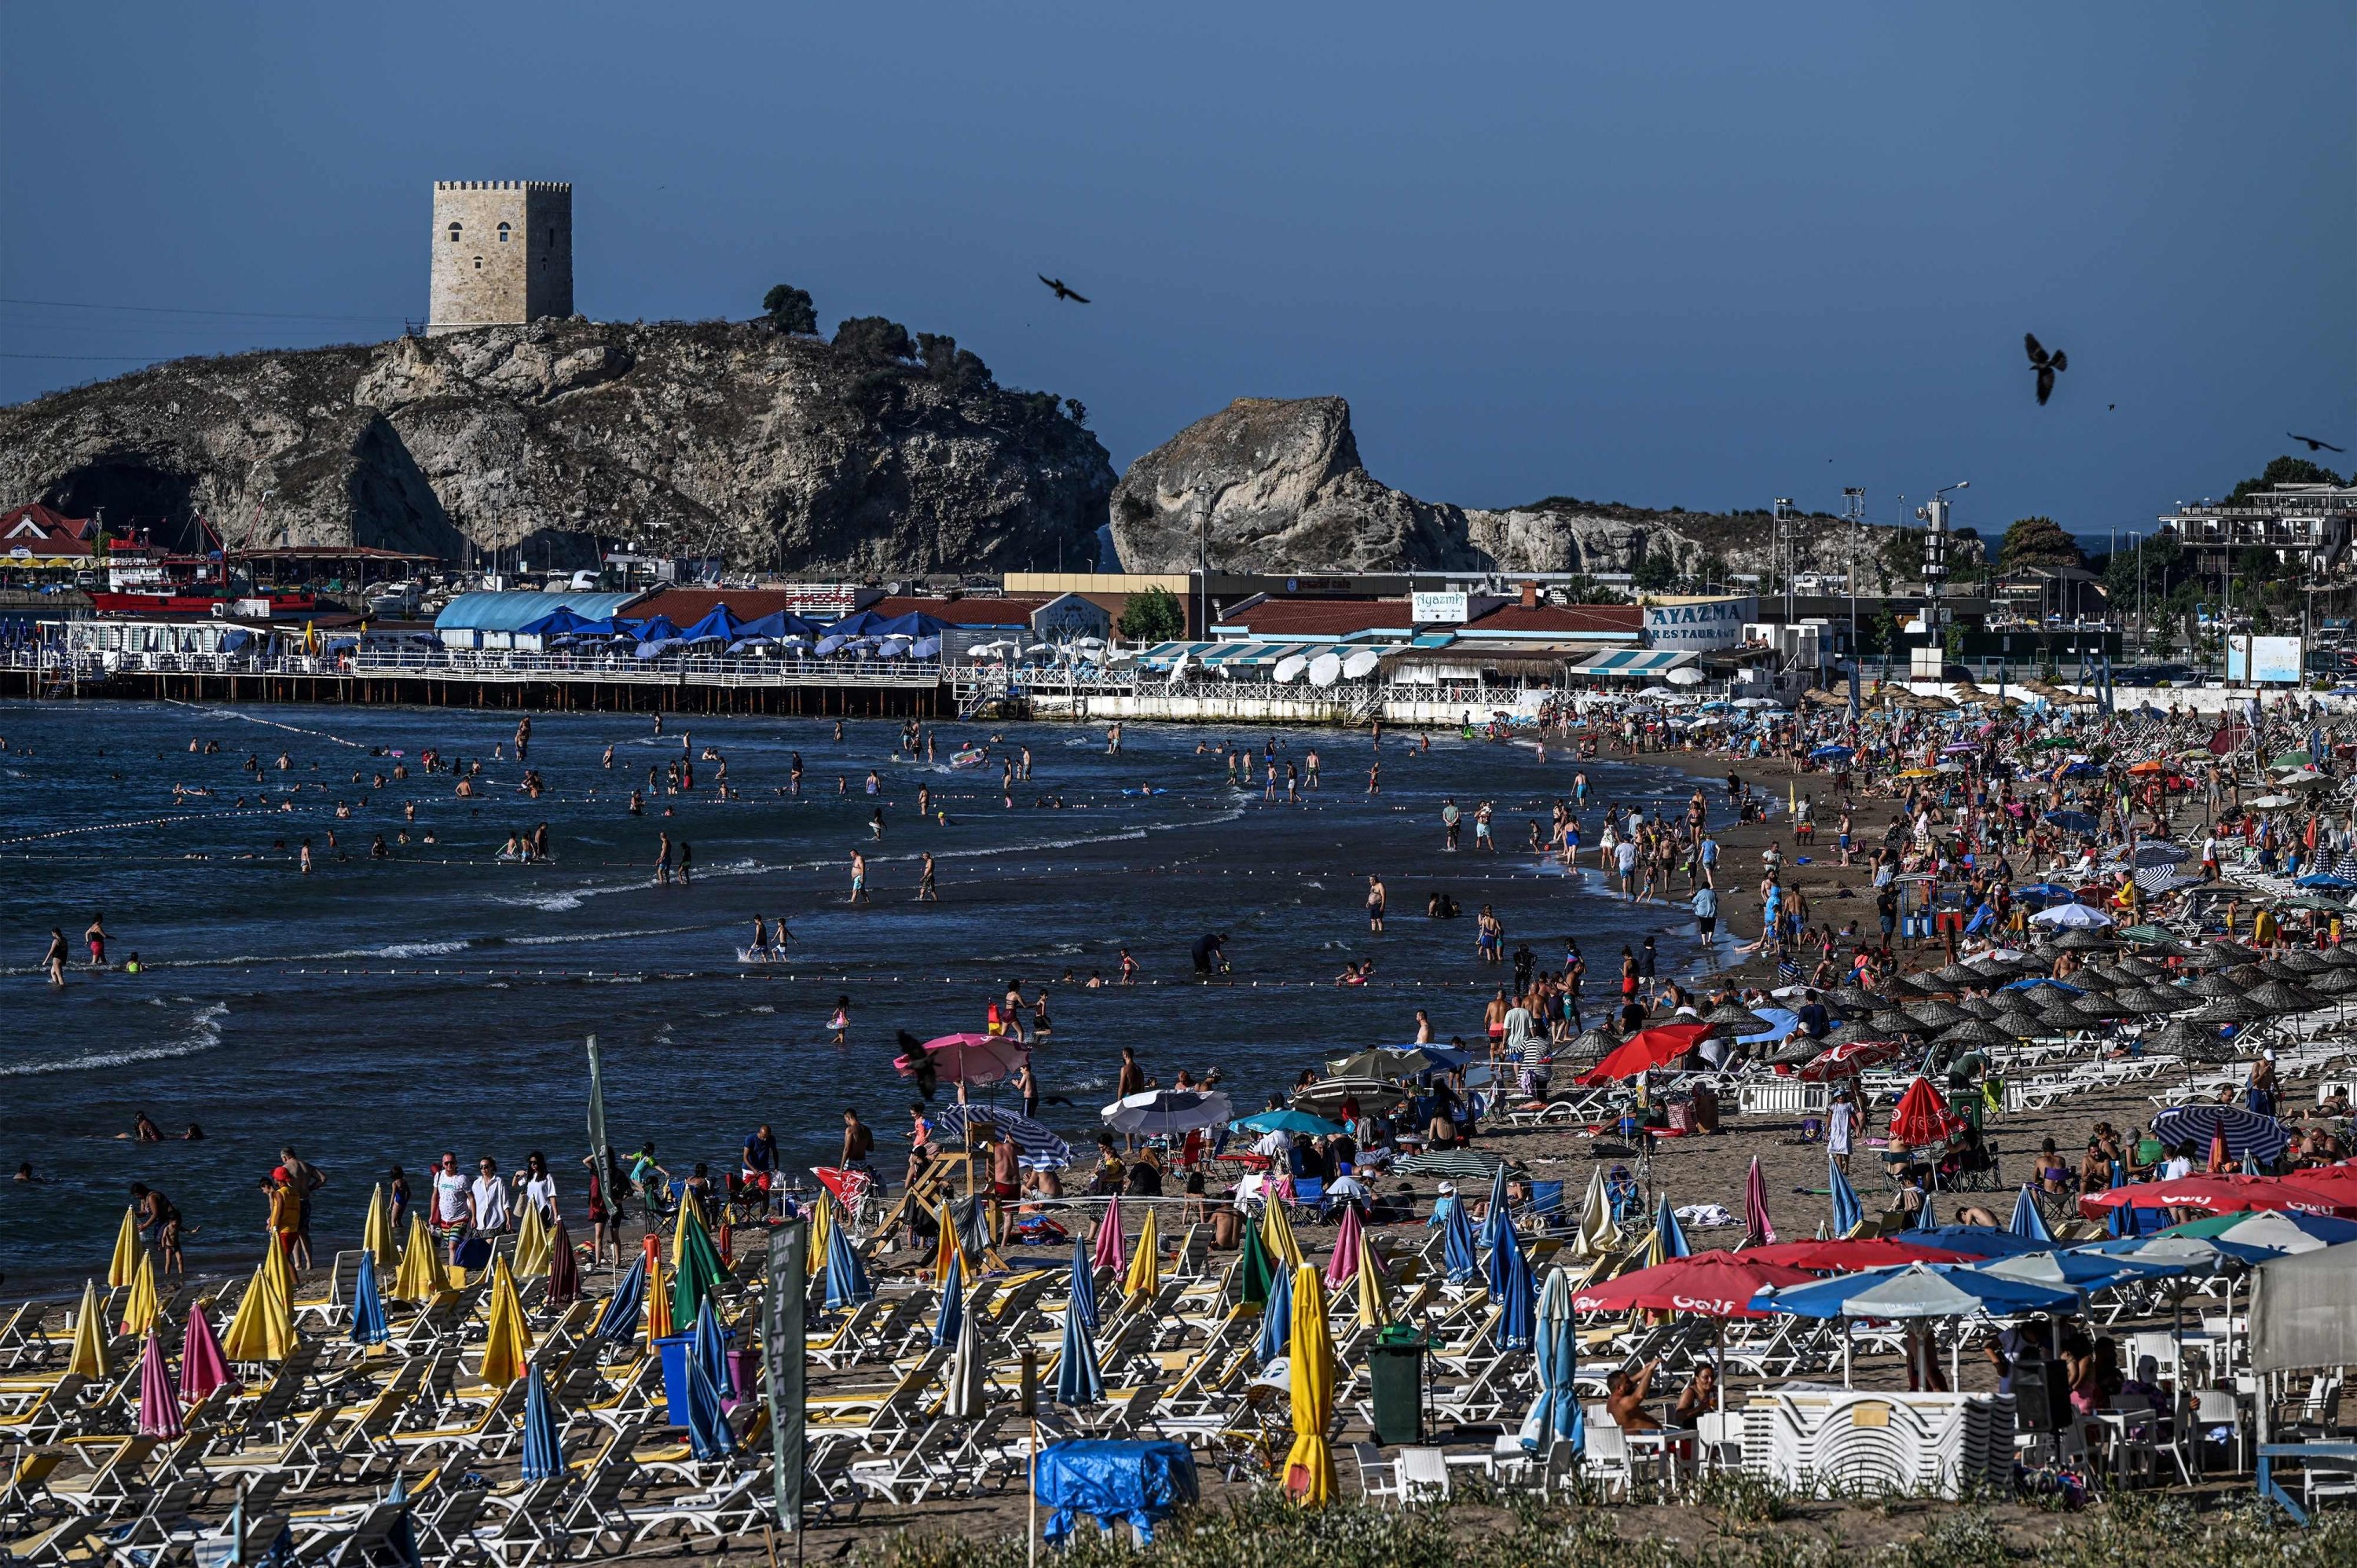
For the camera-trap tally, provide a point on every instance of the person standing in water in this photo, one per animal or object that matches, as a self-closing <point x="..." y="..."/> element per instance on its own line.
<point x="858" y="878"/>
<point x="1375" y="901"/>
<point x="54" y="961"/>
<point x="926" y="892"/>
<point x="96" y="937"/>
<point x="686" y="863"/>
<point x="663" y="860"/>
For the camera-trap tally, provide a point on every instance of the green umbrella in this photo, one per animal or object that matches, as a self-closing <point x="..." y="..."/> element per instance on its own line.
<point x="698" y="1268"/>
<point x="1259" y="1271"/>
<point x="2147" y="933"/>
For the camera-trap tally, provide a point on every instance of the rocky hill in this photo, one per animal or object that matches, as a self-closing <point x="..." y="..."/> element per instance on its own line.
<point x="871" y="457"/>
<point x="1288" y="493"/>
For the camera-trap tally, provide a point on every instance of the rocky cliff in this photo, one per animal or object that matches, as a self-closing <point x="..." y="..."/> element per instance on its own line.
<point x="869" y="457"/>
<point x="1288" y="493"/>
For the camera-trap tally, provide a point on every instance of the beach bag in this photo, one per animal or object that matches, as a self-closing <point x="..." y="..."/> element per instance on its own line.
<point x="474" y="1254"/>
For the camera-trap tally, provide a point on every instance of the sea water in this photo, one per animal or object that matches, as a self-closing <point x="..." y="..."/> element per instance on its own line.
<point x="382" y="1012"/>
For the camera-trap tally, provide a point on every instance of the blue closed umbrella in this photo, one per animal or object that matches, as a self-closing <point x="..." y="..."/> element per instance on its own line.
<point x="1277" y="1317"/>
<point x="1079" y="1380"/>
<point x="1554" y="1414"/>
<point x="1848" y="1212"/>
<point x="846" y="1279"/>
<point x="618" y="1324"/>
<point x="1926" y="1218"/>
<point x="709" y="1435"/>
<point x="1673" y="1236"/>
<point x="945" y="1327"/>
<point x="544" y="1454"/>
<point x="1457" y="1244"/>
<point x="1500" y="1214"/>
<point x="2028" y="1223"/>
<point x="1511" y="1287"/>
<point x="369" y="1327"/>
<point x="1083" y="1291"/>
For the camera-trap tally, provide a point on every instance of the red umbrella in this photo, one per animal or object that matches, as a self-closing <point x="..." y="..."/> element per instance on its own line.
<point x="1710" y="1284"/>
<point x="1851" y="1058"/>
<point x="1657" y="1046"/>
<point x="2225" y="1194"/>
<point x="1922" y="1117"/>
<point x="159" y="1402"/>
<point x="970" y="1058"/>
<point x="201" y="1367"/>
<point x="1842" y="1255"/>
<point x="564" y="1269"/>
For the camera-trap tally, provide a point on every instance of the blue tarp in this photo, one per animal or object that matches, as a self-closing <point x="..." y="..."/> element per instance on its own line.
<point x="512" y="611"/>
<point x="1142" y="1483"/>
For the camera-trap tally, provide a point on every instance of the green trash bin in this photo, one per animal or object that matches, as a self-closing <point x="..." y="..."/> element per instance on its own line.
<point x="1398" y="1375"/>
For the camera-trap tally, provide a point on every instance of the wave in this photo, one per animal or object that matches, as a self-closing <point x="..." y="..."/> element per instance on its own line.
<point x="203" y="1034"/>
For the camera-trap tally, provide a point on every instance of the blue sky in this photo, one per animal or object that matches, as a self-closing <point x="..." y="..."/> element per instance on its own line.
<point x="1700" y="256"/>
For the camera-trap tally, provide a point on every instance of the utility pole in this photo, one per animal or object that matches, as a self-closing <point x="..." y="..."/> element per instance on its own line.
<point x="1788" y="554"/>
<point x="1854" y="510"/>
<point x="1935" y="515"/>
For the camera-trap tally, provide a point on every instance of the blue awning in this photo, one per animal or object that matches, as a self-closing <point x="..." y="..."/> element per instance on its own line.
<point x="1633" y="663"/>
<point x="514" y="611"/>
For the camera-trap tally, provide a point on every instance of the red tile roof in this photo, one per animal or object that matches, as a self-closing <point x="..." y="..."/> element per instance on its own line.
<point x="1319" y="618"/>
<point x="1559" y="621"/>
<point x="1012" y="611"/>
<point x="686" y="606"/>
<point x="43" y="531"/>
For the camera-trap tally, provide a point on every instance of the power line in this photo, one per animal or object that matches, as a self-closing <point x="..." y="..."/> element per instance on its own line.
<point x="180" y="310"/>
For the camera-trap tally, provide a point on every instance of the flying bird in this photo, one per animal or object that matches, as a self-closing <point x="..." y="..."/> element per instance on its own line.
<point x="1062" y="292"/>
<point x="2314" y="444"/>
<point x="2048" y="365"/>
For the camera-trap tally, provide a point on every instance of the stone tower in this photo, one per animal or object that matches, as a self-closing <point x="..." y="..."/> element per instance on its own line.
<point x="503" y="252"/>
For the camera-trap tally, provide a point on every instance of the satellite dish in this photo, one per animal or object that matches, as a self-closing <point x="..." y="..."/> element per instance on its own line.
<point x="1325" y="670"/>
<point x="1290" y="667"/>
<point x="1360" y="664"/>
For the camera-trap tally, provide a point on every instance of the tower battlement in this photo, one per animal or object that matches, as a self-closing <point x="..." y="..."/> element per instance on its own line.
<point x="503" y="252"/>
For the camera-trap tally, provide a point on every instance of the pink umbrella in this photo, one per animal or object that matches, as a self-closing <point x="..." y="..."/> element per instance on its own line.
<point x="969" y="1059"/>
<point x="1759" y="1230"/>
<point x="159" y="1403"/>
<point x="1849" y="1060"/>
<point x="1110" y="1252"/>
<point x="1342" y="1268"/>
<point x="202" y="1370"/>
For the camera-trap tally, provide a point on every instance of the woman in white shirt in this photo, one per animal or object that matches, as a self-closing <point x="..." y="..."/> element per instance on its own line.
<point x="490" y="1199"/>
<point x="535" y="1186"/>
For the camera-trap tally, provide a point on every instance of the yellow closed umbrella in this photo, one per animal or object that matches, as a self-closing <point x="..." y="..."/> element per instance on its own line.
<point x="139" y="1312"/>
<point x="1146" y="1263"/>
<point x="945" y="1242"/>
<point x="89" y="1356"/>
<point x="658" y="1304"/>
<point x="422" y="1276"/>
<point x="123" y="1266"/>
<point x="531" y="1243"/>
<point x="376" y="1231"/>
<point x="275" y="1262"/>
<point x="262" y="1328"/>
<point x="821" y="1224"/>
<point x="688" y="1205"/>
<point x="506" y="1349"/>
<point x="1309" y="1464"/>
<point x="1276" y="1235"/>
<point x="1374" y="1287"/>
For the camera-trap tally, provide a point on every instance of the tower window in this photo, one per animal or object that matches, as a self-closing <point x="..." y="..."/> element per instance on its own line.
<point x="479" y="264"/>
<point x="503" y="234"/>
<point x="455" y="232"/>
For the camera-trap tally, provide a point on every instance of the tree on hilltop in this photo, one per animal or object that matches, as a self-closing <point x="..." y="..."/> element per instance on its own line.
<point x="790" y="310"/>
<point x="2039" y="542"/>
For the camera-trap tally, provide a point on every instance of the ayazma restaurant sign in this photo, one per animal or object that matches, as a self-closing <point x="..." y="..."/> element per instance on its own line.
<point x="1699" y="625"/>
